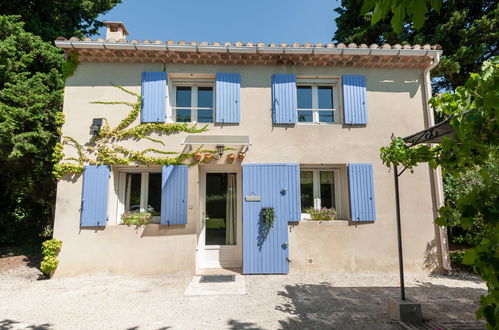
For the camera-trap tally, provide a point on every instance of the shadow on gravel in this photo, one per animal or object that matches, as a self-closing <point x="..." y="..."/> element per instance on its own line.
<point x="11" y="324"/>
<point x="237" y="325"/>
<point x="323" y="306"/>
<point x="29" y="255"/>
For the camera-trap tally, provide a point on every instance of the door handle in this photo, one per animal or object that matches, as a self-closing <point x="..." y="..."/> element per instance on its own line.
<point x="284" y="245"/>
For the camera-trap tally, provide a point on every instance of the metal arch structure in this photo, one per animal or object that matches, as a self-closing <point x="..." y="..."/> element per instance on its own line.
<point x="433" y="134"/>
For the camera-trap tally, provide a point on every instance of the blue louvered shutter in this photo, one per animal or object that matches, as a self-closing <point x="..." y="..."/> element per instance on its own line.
<point x="354" y="99"/>
<point x="284" y="99"/>
<point x="94" y="196"/>
<point x="227" y="92"/>
<point x="153" y="97"/>
<point x="174" y="195"/>
<point x="361" y="186"/>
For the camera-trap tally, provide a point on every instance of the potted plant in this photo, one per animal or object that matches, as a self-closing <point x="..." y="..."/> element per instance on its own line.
<point x="135" y="218"/>
<point x="323" y="214"/>
<point x="208" y="157"/>
<point x="198" y="156"/>
<point x="268" y="217"/>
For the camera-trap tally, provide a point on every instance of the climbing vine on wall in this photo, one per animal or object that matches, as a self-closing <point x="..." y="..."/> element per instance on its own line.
<point x="104" y="149"/>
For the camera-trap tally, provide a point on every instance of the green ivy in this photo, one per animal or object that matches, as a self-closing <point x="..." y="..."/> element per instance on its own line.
<point x="103" y="149"/>
<point x="69" y="67"/>
<point x="50" y="250"/>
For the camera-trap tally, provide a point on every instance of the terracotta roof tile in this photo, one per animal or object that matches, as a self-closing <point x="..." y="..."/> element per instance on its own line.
<point x="259" y="44"/>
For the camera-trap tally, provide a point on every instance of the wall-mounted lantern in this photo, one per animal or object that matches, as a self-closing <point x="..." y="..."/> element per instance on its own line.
<point x="220" y="149"/>
<point x="96" y="126"/>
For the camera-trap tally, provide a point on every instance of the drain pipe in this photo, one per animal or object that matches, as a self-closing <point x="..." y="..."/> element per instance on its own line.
<point x="437" y="190"/>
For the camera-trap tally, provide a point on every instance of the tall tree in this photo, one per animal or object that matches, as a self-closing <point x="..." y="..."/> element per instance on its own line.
<point x="467" y="30"/>
<point x="31" y="85"/>
<point x="32" y="73"/>
<point x="55" y="18"/>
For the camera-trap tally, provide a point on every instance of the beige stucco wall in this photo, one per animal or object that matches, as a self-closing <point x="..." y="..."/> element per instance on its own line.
<point x="395" y="105"/>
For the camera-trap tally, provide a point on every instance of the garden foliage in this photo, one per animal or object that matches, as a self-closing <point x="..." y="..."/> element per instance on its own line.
<point x="50" y="250"/>
<point x="467" y="30"/>
<point x="31" y="86"/>
<point x="473" y="110"/>
<point x="51" y="19"/>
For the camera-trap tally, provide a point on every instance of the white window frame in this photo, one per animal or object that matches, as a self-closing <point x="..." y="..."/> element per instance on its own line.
<point x="315" y="84"/>
<point x="316" y="179"/>
<point x="144" y="191"/>
<point x="194" y="84"/>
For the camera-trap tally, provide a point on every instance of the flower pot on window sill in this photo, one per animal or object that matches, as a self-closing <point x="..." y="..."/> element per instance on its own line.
<point x="135" y="218"/>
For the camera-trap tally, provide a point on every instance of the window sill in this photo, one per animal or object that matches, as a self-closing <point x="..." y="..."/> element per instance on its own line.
<point x="149" y="223"/>
<point x="314" y="124"/>
<point x="335" y="222"/>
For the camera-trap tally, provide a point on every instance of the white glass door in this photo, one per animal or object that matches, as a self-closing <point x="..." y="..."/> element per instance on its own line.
<point x="220" y="236"/>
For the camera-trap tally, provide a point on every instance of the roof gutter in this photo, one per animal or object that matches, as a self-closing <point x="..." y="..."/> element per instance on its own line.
<point x="434" y="54"/>
<point x="436" y="175"/>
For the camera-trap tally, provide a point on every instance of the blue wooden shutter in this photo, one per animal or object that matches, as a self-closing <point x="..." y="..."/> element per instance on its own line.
<point x="284" y="99"/>
<point x="278" y="187"/>
<point x="94" y="196"/>
<point x="174" y="195"/>
<point x="227" y="91"/>
<point x="354" y="99"/>
<point x="361" y="186"/>
<point x="153" y="97"/>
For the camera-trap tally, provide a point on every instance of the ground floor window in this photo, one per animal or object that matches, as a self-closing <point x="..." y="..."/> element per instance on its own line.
<point x="319" y="188"/>
<point x="140" y="191"/>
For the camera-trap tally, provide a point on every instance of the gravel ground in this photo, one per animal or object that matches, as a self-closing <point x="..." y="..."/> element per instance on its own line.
<point x="306" y="301"/>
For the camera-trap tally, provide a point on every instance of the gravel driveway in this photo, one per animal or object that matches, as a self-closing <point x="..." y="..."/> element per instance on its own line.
<point x="310" y="301"/>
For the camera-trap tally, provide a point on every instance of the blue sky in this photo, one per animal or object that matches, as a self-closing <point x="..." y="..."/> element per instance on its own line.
<point x="227" y="20"/>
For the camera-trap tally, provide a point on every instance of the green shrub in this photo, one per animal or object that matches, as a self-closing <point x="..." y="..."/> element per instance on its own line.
<point x="135" y="218"/>
<point x="50" y="250"/>
<point x="323" y="214"/>
<point x="456" y="259"/>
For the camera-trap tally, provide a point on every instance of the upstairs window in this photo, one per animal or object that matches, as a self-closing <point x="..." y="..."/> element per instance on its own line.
<point x="317" y="102"/>
<point x="193" y="102"/>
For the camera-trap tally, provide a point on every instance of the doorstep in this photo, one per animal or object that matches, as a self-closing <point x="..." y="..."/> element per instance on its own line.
<point x="219" y="271"/>
<point x="198" y="288"/>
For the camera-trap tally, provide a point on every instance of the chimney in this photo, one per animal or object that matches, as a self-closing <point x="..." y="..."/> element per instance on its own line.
<point x="115" y="30"/>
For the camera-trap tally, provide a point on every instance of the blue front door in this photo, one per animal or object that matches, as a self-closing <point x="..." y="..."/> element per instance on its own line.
<point x="275" y="186"/>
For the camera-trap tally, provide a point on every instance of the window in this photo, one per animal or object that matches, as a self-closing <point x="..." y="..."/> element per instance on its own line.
<point x="320" y="188"/>
<point x="317" y="102"/>
<point x="140" y="191"/>
<point x="193" y="102"/>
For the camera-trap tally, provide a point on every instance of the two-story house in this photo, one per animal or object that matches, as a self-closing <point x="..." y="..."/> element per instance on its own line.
<point x="208" y="138"/>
